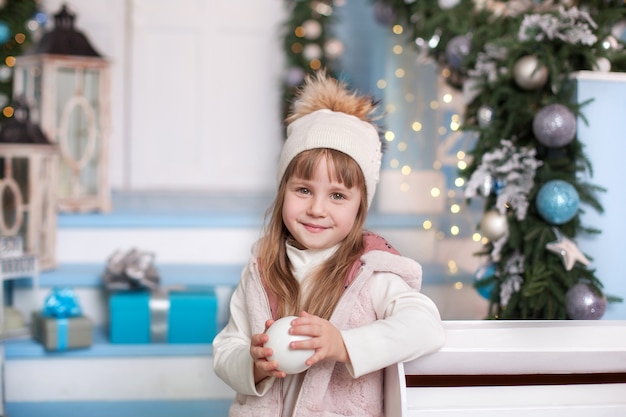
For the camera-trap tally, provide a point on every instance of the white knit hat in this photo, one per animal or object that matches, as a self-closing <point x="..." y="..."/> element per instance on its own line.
<point x="340" y="131"/>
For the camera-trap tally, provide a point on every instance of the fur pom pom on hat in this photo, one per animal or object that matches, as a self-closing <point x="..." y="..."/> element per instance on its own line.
<point x="327" y="115"/>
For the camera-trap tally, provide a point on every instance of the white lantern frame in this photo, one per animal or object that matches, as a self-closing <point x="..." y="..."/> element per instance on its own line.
<point x="34" y="209"/>
<point x="36" y="78"/>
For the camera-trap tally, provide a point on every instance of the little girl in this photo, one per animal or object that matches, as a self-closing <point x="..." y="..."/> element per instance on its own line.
<point x="356" y="298"/>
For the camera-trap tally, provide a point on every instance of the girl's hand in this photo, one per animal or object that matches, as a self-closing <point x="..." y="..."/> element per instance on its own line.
<point x="262" y="367"/>
<point x="325" y="339"/>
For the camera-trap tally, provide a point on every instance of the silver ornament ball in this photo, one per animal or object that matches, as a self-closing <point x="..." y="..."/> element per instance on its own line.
<point x="529" y="73"/>
<point x="457" y="49"/>
<point x="487" y="185"/>
<point x="554" y="125"/>
<point x="493" y="225"/>
<point x="584" y="303"/>
<point x="484" y="116"/>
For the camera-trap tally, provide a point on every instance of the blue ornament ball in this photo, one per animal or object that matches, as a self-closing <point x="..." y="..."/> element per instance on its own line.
<point x="557" y="201"/>
<point x="485" y="272"/>
<point x="5" y="32"/>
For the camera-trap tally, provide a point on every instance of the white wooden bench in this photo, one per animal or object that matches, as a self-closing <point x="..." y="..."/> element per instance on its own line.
<point x="515" y="368"/>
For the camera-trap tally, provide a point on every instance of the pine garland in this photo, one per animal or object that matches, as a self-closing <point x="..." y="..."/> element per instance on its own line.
<point x="14" y="14"/>
<point x="477" y="44"/>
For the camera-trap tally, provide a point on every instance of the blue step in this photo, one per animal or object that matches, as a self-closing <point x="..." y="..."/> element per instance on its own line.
<point x="183" y="408"/>
<point x="27" y="348"/>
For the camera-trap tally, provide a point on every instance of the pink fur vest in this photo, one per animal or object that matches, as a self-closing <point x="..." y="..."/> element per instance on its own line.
<point x="328" y="389"/>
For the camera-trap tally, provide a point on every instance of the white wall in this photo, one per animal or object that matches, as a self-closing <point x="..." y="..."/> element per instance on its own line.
<point x="195" y="97"/>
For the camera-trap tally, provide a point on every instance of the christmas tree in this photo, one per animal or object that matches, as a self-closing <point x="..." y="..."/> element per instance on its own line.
<point x="19" y="22"/>
<point x="513" y="61"/>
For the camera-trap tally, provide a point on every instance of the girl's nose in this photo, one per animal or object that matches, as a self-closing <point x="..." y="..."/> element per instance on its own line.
<point x="317" y="206"/>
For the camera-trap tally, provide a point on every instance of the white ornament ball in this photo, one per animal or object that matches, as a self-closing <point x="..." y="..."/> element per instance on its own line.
<point x="312" y="29"/>
<point x="312" y="51"/>
<point x="290" y="361"/>
<point x="602" y="65"/>
<point x="529" y="74"/>
<point x="493" y="225"/>
<point x="447" y="4"/>
<point x="334" y="48"/>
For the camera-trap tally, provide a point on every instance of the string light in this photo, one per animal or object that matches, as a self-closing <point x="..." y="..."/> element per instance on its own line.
<point x="296" y="48"/>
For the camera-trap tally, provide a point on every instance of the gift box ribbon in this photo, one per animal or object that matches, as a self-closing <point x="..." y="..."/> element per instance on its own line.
<point x="131" y="270"/>
<point x="61" y="303"/>
<point x="63" y="333"/>
<point x="159" y="306"/>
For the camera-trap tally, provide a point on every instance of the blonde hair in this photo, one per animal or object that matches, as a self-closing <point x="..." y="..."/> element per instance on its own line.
<point x="327" y="281"/>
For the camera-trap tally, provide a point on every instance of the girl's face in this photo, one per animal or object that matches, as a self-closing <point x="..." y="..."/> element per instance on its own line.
<point x="319" y="212"/>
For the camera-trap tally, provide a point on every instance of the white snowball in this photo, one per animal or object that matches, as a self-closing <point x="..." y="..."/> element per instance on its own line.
<point x="289" y="360"/>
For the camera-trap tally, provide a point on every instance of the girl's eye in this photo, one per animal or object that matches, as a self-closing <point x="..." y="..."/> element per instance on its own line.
<point x="303" y="190"/>
<point x="337" y="196"/>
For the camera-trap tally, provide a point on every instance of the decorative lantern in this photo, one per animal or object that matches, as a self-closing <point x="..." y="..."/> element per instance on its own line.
<point x="14" y="264"/>
<point x="67" y="86"/>
<point x="28" y="174"/>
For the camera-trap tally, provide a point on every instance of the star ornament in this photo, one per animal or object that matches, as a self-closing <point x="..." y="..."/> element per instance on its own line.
<point x="568" y="251"/>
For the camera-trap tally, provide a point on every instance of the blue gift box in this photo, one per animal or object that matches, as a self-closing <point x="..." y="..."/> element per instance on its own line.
<point x="173" y="317"/>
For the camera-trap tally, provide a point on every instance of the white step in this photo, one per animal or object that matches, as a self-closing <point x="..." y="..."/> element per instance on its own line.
<point x="110" y="372"/>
